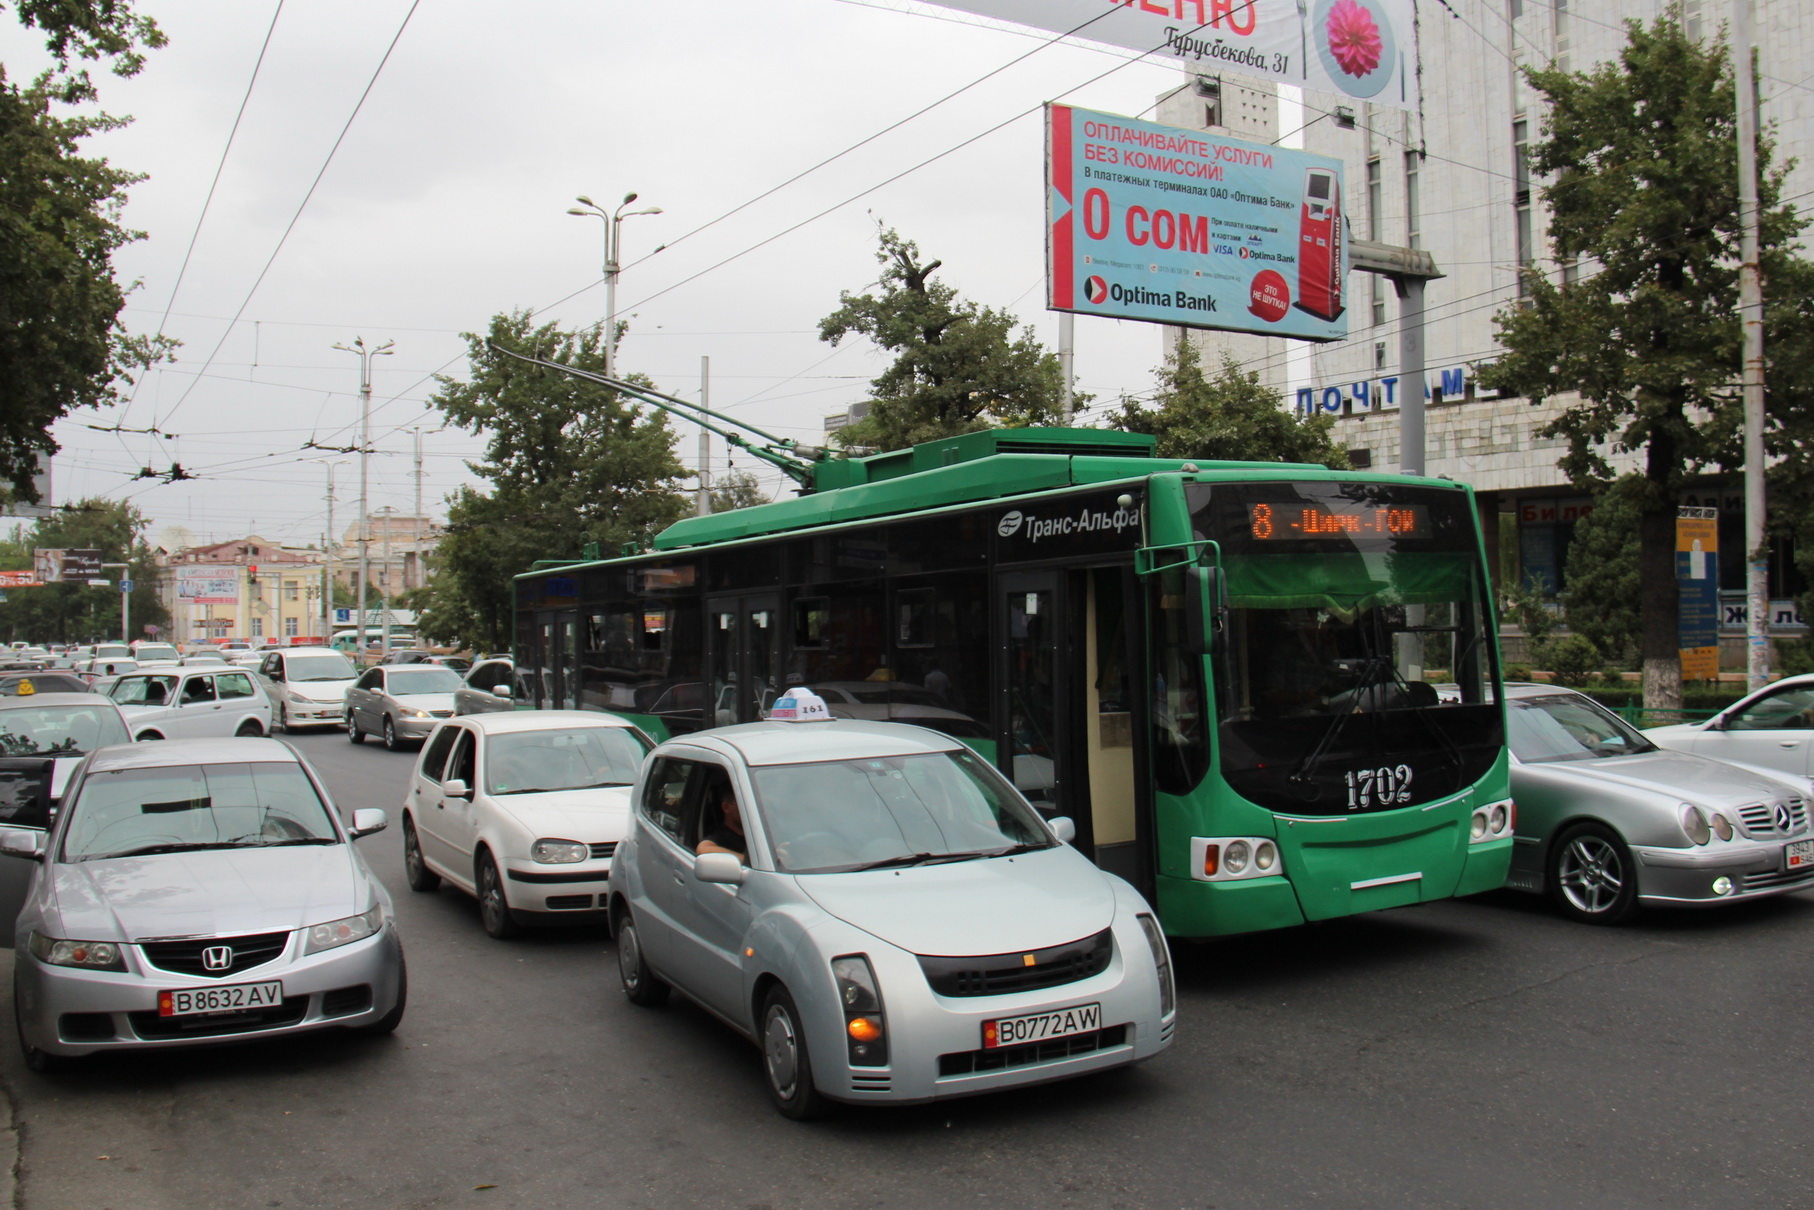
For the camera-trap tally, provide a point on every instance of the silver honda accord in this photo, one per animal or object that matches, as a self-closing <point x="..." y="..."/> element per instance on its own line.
<point x="196" y="891"/>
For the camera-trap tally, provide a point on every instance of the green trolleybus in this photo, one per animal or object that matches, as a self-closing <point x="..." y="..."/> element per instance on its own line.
<point x="1264" y="693"/>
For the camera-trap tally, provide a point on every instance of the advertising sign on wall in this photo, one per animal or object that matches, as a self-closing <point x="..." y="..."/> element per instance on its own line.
<point x="206" y="586"/>
<point x="1364" y="49"/>
<point x="1177" y="226"/>
<point x="1697" y="570"/>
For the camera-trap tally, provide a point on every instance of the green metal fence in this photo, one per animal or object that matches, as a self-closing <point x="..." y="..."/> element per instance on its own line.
<point x="1642" y="716"/>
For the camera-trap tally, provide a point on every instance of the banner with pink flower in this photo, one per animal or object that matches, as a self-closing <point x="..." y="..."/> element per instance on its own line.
<point x="1359" y="49"/>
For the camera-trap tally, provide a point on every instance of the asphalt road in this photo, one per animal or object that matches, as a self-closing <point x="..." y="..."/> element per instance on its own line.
<point x="1470" y="1054"/>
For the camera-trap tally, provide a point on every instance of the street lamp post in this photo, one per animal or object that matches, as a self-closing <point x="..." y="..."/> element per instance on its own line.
<point x="365" y="455"/>
<point x="613" y="221"/>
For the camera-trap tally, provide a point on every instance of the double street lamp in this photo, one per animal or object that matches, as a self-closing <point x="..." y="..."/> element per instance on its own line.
<point x="365" y="453"/>
<point x="613" y="220"/>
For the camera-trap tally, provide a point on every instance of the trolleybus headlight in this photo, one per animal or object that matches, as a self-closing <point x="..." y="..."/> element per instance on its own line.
<point x="1477" y="828"/>
<point x="1722" y="827"/>
<point x="1162" y="960"/>
<point x="1496" y="818"/>
<point x="865" y="1029"/>
<point x="1265" y="855"/>
<point x="1235" y="860"/>
<point x="1694" y="823"/>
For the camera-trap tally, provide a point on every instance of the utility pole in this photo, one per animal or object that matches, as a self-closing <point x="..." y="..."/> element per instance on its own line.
<point x="1751" y="320"/>
<point x="365" y="457"/>
<point x="327" y="554"/>
<point x="415" y="580"/>
<point x="704" y="506"/>
<point x="1408" y="269"/>
<point x="1067" y="360"/>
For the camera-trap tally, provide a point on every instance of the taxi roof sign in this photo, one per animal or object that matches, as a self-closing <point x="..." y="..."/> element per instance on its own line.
<point x="799" y="705"/>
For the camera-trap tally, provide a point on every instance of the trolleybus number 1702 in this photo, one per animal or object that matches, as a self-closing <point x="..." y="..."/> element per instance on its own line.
<point x="1389" y="785"/>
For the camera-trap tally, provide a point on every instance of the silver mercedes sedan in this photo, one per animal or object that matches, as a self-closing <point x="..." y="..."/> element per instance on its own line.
<point x="197" y="891"/>
<point x="1608" y="821"/>
<point x="882" y="914"/>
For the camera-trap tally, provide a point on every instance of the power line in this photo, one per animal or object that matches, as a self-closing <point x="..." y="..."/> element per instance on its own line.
<point x="207" y="202"/>
<point x="303" y="205"/>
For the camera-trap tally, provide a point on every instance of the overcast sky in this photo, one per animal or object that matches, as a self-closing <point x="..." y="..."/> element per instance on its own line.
<point x="446" y="204"/>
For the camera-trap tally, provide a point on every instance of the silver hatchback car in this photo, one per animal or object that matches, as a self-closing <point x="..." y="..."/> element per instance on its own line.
<point x="882" y="913"/>
<point x="198" y="891"/>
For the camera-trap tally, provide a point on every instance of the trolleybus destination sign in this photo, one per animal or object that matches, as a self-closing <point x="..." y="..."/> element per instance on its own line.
<point x="1177" y="226"/>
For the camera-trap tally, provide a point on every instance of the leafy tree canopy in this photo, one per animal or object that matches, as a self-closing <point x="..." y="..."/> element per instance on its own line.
<point x="738" y="489"/>
<point x="1639" y="160"/>
<point x="958" y="367"/>
<point x="1600" y="599"/>
<point x="74" y="613"/>
<point x="568" y="463"/>
<point x="62" y="346"/>
<point x="1232" y="416"/>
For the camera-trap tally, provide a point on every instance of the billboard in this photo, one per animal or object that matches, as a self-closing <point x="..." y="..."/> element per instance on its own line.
<point x="1176" y="226"/>
<point x="20" y="579"/>
<point x="1360" y="49"/>
<point x="207" y="586"/>
<point x="1697" y="569"/>
<point x="76" y="565"/>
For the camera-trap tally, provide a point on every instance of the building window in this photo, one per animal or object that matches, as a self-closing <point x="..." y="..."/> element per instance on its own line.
<point x="1521" y="199"/>
<point x="1559" y="28"/>
<point x="290" y="627"/>
<point x="1376" y="204"/>
<point x="1413" y="166"/>
<point x="258" y="627"/>
<point x="291" y="590"/>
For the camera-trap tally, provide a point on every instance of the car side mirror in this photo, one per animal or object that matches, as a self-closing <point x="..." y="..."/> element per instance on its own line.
<point x="718" y="867"/>
<point x="22" y="842"/>
<point x="502" y="690"/>
<point x="367" y="820"/>
<point x="455" y="787"/>
<point x="1063" y="827"/>
<point x="1717" y="723"/>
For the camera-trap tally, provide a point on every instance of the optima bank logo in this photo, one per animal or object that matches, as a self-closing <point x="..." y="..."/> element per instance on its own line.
<point x="1096" y="290"/>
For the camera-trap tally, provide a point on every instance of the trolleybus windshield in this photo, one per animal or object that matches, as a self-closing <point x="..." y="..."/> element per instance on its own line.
<point x="1358" y="669"/>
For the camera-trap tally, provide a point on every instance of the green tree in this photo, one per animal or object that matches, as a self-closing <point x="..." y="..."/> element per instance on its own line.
<point x="1600" y="600"/>
<point x="71" y="612"/>
<point x="568" y="464"/>
<point x="1232" y="416"/>
<point x="1640" y="162"/>
<point x="958" y="366"/>
<point x="62" y="345"/>
<point x="738" y="489"/>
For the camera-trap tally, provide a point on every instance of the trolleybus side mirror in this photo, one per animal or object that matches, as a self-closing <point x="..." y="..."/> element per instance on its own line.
<point x="1207" y="615"/>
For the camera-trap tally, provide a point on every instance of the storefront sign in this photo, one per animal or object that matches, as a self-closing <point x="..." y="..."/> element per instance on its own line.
<point x="1448" y="385"/>
<point x="1365" y="49"/>
<point x="1176" y="226"/>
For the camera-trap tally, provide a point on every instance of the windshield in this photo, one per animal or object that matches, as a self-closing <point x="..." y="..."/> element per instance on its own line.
<point x="535" y="762"/>
<point x="894" y="810"/>
<point x="155" y="651"/>
<point x="171" y="810"/>
<point x="428" y="679"/>
<point x="60" y="730"/>
<point x="1566" y="727"/>
<point x="1349" y="604"/>
<point x="325" y="666"/>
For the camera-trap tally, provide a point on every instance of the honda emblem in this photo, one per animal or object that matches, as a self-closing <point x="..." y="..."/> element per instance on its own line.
<point x="217" y="958"/>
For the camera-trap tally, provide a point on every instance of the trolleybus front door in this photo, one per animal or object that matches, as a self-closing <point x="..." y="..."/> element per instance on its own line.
<point x="745" y="638"/>
<point x="1033" y="710"/>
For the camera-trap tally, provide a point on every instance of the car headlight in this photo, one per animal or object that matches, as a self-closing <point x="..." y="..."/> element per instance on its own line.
<point x="89" y="955"/>
<point x="1162" y="959"/>
<point x="1722" y="827"/>
<point x="558" y="852"/>
<point x="407" y="712"/>
<point x="336" y="933"/>
<point x="1695" y="825"/>
<point x="865" y="1028"/>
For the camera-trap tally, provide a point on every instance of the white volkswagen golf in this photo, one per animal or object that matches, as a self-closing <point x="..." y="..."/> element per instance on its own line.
<point x="524" y="812"/>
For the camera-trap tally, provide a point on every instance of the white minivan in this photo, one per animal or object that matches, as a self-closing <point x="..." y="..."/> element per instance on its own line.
<point x="194" y="703"/>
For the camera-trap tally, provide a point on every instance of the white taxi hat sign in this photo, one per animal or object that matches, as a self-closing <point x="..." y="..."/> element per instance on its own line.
<point x="799" y="705"/>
